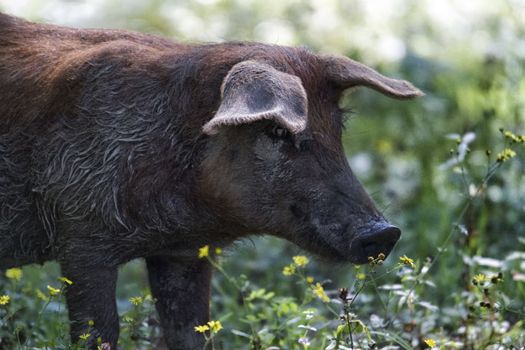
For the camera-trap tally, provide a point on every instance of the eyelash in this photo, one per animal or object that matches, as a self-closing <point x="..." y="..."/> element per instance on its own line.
<point x="278" y="132"/>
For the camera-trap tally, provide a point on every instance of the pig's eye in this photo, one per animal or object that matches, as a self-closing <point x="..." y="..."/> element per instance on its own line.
<point x="278" y="132"/>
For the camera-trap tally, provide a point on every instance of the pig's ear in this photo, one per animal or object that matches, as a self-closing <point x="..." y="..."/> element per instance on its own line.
<point x="347" y="73"/>
<point x="255" y="91"/>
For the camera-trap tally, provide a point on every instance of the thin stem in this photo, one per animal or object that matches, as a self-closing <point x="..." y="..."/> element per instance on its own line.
<point x="233" y="281"/>
<point x="346" y="309"/>
<point x="376" y="289"/>
<point x="463" y="175"/>
<point x="490" y="173"/>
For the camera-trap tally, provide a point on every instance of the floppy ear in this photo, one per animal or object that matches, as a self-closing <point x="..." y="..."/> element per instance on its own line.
<point x="348" y="73"/>
<point x="255" y="91"/>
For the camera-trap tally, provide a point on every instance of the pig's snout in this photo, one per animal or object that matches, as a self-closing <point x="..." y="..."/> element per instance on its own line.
<point x="381" y="238"/>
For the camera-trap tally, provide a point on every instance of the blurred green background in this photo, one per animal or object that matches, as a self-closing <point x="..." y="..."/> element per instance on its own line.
<point x="467" y="56"/>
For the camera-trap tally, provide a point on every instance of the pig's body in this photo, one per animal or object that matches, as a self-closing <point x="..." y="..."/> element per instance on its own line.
<point x="72" y="155"/>
<point x="117" y="145"/>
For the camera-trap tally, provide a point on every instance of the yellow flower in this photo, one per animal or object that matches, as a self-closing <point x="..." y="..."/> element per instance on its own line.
<point x="4" y="299"/>
<point x="407" y="261"/>
<point x="361" y="276"/>
<point x="289" y="270"/>
<point x="310" y="279"/>
<point x="202" y="329"/>
<point x="320" y="293"/>
<point x="84" y="336"/>
<point x="479" y="279"/>
<point x="505" y="155"/>
<point x="41" y="295"/>
<point x="14" y="274"/>
<point x="514" y="137"/>
<point x="300" y="260"/>
<point x="218" y="251"/>
<point x="384" y="146"/>
<point x="136" y="300"/>
<point x="65" y="280"/>
<point x="53" y="291"/>
<point x="91" y="323"/>
<point x="430" y="342"/>
<point x="215" y="326"/>
<point x="204" y="251"/>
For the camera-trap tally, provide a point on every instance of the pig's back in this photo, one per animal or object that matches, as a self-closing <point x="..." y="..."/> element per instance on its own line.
<point x="41" y="63"/>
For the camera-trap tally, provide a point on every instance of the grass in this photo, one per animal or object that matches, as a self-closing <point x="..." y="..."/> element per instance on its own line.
<point x="389" y="304"/>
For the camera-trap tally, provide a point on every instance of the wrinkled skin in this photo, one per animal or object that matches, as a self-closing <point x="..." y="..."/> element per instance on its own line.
<point x="118" y="145"/>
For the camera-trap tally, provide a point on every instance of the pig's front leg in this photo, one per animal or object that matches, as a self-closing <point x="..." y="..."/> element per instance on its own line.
<point x="91" y="302"/>
<point x="182" y="291"/>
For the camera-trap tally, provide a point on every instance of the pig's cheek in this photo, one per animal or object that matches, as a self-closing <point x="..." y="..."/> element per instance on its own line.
<point x="266" y="149"/>
<point x="270" y="157"/>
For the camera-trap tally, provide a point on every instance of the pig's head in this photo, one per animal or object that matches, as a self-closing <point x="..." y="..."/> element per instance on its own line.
<point x="274" y="161"/>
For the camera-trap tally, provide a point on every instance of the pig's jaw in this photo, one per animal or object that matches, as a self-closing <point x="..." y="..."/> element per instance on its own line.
<point x="334" y="242"/>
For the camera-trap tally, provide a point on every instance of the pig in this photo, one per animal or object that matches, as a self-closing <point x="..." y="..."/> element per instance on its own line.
<point x="116" y="145"/>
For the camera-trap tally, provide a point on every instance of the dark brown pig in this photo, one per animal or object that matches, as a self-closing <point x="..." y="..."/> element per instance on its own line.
<point x="117" y="145"/>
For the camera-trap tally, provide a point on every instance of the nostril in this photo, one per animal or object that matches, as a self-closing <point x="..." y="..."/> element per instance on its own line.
<point x="296" y="211"/>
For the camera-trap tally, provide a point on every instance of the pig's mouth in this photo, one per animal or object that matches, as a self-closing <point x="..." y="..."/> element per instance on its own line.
<point x="380" y="239"/>
<point x="373" y="238"/>
<point x="377" y="238"/>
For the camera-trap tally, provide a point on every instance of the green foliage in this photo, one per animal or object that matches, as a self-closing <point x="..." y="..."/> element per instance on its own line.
<point x="437" y="166"/>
